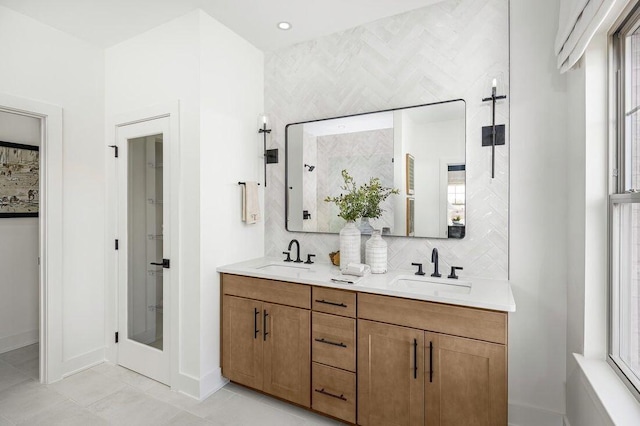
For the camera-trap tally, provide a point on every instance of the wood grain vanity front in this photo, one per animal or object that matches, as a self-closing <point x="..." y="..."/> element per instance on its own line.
<point x="333" y="340"/>
<point x="283" y="293"/>
<point x="334" y="392"/>
<point x="490" y="326"/>
<point x="414" y="362"/>
<point x="333" y="301"/>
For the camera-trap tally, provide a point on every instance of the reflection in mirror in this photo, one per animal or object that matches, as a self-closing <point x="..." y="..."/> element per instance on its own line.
<point x="418" y="150"/>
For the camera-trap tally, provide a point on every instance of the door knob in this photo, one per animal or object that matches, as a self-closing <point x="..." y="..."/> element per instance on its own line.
<point x="165" y="263"/>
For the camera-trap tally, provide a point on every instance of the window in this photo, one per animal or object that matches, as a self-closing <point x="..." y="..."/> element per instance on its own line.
<point x="624" y="203"/>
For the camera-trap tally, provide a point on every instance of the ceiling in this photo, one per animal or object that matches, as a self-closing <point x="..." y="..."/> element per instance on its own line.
<point x="108" y="22"/>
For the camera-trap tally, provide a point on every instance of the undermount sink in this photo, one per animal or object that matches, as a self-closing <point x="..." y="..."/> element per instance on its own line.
<point x="430" y="285"/>
<point x="278" y="268"/>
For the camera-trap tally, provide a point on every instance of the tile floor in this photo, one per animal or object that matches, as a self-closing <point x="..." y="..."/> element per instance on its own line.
<point x="111" y="395"/>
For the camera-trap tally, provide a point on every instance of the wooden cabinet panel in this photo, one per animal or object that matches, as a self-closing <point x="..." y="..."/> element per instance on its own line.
<point x="490" y="326"/>
<point x="284" y="293"/>
<point x="390" y="375"/>
<point x="334" y="340"/>
<point x="241" y="344"/>
<point x="469" y="382"/>
<point x="333" y="301"/>
<point x="334" y="392"/>
<point x="287" y="353"/>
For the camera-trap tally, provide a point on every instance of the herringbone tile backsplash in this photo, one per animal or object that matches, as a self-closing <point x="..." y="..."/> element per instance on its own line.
<point x="449" y="50"/>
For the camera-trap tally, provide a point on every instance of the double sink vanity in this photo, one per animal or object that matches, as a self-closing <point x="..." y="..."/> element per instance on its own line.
<point x="391" y="349"/>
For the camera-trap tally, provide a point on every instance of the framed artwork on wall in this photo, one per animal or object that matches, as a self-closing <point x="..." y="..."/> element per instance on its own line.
<point x="411" y="211"/>
<point x="409" y="167"/>
<point x="19" y="180"/>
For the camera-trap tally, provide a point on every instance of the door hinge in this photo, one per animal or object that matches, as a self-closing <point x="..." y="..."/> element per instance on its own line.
<point x="615" y="172"/>
<point x="115" y="152"/>
<point x="116" y="337"/>
<point x="117" y="244"/>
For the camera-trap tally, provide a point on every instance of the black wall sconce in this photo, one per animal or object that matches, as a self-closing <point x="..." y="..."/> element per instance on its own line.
<point x="270" y="155"/>
<point x="493" y="135"/>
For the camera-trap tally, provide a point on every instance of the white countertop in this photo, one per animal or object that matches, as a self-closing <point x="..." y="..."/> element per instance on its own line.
<point x="486" y="294"/>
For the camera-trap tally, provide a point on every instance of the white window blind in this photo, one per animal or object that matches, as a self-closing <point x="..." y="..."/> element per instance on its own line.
<point x="579" y="21"/>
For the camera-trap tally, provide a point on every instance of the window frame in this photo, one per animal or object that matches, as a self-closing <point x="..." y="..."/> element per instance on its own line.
<point x="618" y="194"/>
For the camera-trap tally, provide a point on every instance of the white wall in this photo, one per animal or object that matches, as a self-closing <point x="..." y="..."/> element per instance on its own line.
<point x="217" y="77"/>
<point x="19" y="291"/>
<point x="539" y="214"/>
<point x="157" y="67"/>
<point x="232" y="97"/>
<point x="44" y="64"/>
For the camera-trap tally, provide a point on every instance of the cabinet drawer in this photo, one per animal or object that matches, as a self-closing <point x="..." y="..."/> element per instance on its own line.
<point x="298" y="295"/>
<point x="333" y="340"/>
<point x="334" y="392"/>
<point x="490" y="326"/>
<point x="332" y="301"/>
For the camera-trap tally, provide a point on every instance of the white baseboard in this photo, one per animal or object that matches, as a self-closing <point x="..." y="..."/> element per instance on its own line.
<point x="523" y="415"/>
<point x="82" y="362"/>
<point x="9" y="343"/>
<point x="187" y="385"/>
<point x="201" y="389"/>
<point x="212" y="383"/>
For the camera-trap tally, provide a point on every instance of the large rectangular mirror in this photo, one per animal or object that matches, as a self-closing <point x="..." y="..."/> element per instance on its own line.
<point x="419" y="150"/>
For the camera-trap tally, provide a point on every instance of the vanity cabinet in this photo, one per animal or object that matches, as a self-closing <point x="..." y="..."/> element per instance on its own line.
<point x="364" y="358"/>
<point x="266" y="345"/>
<point x="410" y="376"/>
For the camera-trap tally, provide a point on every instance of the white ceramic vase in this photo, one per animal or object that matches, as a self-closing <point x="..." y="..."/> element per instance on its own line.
<point x="365" y="226"/>
<point x="376" y="253"/>
<point x="349" y="245"/>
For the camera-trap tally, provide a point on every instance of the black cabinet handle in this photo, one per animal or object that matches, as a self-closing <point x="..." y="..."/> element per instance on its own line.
<point x="430" y="362"/>
<point x="415" y="358"/>
<point x="332" y="395"/>
<point x="326" y="302"/>
<point x="256" y="312"/>
<point x="264" y="325"/>
<point x="328" y="342"/>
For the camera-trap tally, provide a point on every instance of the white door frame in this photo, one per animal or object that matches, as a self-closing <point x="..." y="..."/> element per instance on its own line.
<point x="50" y="229"/>
<point x="170" y="110"/>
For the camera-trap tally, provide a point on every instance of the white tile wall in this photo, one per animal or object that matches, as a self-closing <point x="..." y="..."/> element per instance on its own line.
<point x="449" y="50"/>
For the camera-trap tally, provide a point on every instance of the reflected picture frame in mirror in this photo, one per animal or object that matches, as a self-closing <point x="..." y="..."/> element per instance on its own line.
<point x="419" y="150"/>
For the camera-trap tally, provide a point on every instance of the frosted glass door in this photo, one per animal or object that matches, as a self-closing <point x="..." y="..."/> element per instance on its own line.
<point x="144" y="272"/>
<point x="145" y="184"/>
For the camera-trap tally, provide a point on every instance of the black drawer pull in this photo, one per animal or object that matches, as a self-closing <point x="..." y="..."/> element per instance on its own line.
<point x="324" y="392"/>
<point x="326" y="302"/>
<point x="328" y="342"/>
<point x="264" y="325"/>
<point x="415" y="358"/>
<point x="430" y="362"/>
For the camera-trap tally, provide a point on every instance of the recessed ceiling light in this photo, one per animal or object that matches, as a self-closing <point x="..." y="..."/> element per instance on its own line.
<point x="284" y="25"/>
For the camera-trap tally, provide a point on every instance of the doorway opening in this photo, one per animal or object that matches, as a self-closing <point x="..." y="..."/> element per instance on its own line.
<point x="20" y="139"/>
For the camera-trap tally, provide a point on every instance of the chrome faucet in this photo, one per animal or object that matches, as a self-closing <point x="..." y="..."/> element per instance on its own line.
<point x="434" y="260"/>
<point x="298" y="260"/>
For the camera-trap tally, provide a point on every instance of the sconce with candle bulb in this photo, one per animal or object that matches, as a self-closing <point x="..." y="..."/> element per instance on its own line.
<point x="270" y="155"/>
<point x="495" y="134"/>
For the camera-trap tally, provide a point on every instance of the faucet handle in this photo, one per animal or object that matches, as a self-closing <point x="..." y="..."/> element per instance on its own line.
<point x="420" y="271"/>
<point x="288" y="259"/>
<point x="309" y="261"/>
<point x="453" y="275"/>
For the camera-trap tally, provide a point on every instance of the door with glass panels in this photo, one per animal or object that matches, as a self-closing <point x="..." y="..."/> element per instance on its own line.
<point x="144" y="262"/>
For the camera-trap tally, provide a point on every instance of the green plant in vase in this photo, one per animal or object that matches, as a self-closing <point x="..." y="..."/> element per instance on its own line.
<point x="351" y="202"/>
<point x="374" y="195"/>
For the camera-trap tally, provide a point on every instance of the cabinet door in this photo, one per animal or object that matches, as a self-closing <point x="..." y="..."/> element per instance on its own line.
<point x="390" y="375"/>
<point x="287" y="353"/>
<point x="465" y="381"/>
<point x="242" y="341"/>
